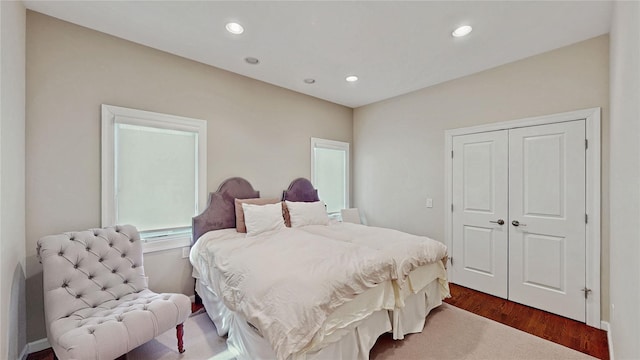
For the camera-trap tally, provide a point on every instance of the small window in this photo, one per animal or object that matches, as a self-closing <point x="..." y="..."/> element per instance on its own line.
<point x="330" y="172"/>
<point x="153" y="174"/>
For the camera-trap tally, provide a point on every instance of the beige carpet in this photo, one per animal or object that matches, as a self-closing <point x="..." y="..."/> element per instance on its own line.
<point x="450" y="333"/>
<point x="201" y="341"/>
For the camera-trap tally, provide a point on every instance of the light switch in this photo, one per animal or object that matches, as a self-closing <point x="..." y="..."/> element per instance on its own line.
<point x="429" y="203"/>
<point x="185" y="252"/>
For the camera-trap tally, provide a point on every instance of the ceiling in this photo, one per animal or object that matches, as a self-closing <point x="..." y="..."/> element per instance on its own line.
<point x="394" y="47"/>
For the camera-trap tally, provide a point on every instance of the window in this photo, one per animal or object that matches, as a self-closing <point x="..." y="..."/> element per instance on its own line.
<point x="330" y="172"/>
<point x="153" y="174"/>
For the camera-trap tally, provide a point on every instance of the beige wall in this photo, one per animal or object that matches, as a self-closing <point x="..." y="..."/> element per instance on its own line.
<point x="625" y="180"/>
<point x="255" y="130"/>
<point x="399" y="143"/>
<point x="12" y="180"/>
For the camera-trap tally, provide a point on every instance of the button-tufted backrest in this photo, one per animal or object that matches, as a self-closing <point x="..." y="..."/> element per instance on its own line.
<point x="86" y="269"/>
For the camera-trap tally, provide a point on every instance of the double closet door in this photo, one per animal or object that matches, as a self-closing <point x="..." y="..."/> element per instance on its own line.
<point x="519" y="227"/>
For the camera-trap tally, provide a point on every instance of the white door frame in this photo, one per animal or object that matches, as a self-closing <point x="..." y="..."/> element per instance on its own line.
<point x="592" y="119"/>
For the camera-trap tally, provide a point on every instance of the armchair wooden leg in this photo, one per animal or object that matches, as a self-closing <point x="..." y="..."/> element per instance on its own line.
<point x="180" y="333"/>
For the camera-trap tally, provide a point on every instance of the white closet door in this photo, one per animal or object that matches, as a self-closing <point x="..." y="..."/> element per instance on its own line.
<point x="547" y="199"/>
<point x="480" y="200"/>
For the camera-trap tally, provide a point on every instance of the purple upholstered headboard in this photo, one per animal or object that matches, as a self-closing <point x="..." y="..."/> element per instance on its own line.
<point x="301" y="189"/>
<point x="220" y="212"/>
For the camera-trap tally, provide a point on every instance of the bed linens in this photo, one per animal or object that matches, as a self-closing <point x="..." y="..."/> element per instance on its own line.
<point x="341" y="323"/>
<point x="214" y="307"/>
<point x="198" y="254"/>
<point x="287" y="282"/>
<point x="246" y="344"/>
<point x="408" y="251"/>
<point x="205" y="287"/>
<point x="422" y="277"/>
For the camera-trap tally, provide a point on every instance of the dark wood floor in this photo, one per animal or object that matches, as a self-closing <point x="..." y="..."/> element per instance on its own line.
<point x="558" y="329"/>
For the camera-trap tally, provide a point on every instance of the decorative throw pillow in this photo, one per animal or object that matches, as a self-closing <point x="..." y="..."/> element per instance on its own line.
<point x="307" y="213"/>
<point x="262" y="218"/>
<point x="240" y="223"/>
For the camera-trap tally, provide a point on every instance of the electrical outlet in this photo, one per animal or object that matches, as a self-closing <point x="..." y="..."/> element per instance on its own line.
<point x="185" y="252"/>
<point x="429" y="203"/>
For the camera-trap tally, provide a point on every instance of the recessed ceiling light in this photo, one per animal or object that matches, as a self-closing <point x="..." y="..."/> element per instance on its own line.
<point x="234" y="28"/>
<point x="351" y="78"/>
<point x="251" y="60"/>
<point x="309" y="81"/>
<point x="462" y="31"/>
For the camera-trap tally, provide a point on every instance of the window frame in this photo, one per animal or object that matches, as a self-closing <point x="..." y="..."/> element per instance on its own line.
<point x="112" y="115"/>
<point x="333" y="145"/>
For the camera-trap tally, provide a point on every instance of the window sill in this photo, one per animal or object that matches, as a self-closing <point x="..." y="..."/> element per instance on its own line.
<point x="167" y="243"/>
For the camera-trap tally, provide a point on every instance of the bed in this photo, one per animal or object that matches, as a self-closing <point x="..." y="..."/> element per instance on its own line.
<point x="420" y="283"/>
<point x="344" y="323"/>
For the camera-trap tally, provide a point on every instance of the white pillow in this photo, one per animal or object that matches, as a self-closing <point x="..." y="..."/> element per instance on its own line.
<point x="307" y="213"/>
<point x="261" y="218"/>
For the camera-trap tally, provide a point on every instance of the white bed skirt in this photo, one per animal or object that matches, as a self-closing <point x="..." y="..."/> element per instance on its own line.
<point x="411" y="318"/>
<point x="215" y="307"/>
<point x="355" y="343"/>
<point x="247" y="344"/>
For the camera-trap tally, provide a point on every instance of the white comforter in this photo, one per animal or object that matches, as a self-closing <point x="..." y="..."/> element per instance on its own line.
<point x="408" y="251"/>
<point x="287" y="282"/>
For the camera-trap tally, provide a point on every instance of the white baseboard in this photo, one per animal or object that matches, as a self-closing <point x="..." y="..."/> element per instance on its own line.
<point x="604" y="325"/>
<point x="192" y="298"/>
<point x="38" y="345"/>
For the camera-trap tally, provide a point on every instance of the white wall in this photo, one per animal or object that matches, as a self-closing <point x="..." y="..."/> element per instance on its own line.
<point x="399" y="143"/>
<point x="12" y="177"/>
<point x="625" y="180"/>
<point x="255" y="130"/>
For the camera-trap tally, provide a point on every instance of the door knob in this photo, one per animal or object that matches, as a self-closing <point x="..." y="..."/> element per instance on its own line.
<point x="499" y="222"/>
<point x="517" y="223"/>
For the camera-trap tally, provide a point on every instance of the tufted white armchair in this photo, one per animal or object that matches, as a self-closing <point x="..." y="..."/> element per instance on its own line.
<point x="96" y="301"/>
